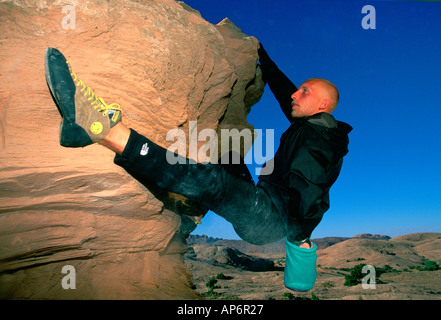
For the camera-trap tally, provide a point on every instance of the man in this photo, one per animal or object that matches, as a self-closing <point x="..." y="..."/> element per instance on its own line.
<point x="289" y="203"/>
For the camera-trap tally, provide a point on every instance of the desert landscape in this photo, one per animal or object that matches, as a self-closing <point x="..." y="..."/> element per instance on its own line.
<point x="406" y="268"/>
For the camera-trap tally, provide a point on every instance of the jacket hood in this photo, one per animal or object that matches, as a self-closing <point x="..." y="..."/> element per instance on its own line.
<point x="335" y="132"/>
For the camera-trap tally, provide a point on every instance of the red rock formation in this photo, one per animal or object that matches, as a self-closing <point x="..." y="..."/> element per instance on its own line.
<point x="165" y="66"/>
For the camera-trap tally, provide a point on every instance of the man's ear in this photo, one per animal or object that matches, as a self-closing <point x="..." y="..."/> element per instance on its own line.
<point x="325" y="104"/>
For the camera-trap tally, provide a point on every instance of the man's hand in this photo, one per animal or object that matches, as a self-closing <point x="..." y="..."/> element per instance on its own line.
<point x="263" y="55"/>
<point x="266" y="64"/>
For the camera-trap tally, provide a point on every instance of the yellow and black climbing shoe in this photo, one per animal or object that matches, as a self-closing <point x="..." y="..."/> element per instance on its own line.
<point x="86" y="118"/>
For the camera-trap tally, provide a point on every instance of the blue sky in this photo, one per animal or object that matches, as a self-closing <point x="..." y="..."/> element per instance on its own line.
<point x="390" y="92"/>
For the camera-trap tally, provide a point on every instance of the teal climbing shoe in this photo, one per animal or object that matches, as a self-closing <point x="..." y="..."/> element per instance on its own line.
<point x="300" y="268"/>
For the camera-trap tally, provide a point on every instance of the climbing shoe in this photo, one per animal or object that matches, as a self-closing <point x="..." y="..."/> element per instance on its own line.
<point x="86" y="118"/>
<point x="300" y="268"/>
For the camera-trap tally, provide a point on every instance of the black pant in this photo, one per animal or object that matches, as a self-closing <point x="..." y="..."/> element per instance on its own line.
<point x="248" y="207"/>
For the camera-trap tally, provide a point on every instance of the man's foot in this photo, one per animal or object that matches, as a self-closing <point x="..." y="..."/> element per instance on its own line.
<point x="86" y="119"/>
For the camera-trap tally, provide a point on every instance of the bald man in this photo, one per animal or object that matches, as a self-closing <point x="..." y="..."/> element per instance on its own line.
<point x="287" y="203"/>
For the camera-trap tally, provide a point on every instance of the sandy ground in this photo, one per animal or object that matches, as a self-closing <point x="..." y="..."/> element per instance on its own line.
<point x="248" y="285"/>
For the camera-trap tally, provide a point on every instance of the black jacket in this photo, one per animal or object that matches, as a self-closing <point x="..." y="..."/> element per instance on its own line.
<point x="308" y="161"/>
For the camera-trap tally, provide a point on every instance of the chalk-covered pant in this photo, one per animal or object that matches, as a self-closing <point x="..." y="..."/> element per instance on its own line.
<point x="249" y="208"/>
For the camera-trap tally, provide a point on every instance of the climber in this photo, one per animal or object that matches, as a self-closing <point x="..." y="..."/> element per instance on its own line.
<point x="288" y="203"/>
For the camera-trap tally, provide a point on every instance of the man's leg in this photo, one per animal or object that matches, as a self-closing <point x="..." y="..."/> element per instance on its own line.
<point x="117" y="138"/>
<point x="247" y="207"/>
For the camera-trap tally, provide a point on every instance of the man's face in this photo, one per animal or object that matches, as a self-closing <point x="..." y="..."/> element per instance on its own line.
<point x="306" y="100"/>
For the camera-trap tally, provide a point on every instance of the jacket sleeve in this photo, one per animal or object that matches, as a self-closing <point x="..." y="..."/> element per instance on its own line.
<point x="308" y="192"/>
<point x="280" y="85"/>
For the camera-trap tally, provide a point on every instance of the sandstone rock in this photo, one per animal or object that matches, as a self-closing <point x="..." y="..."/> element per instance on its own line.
<point x="166" y="66"/>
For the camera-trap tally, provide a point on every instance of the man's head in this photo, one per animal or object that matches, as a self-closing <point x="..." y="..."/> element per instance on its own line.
<point x="314" y="96"/>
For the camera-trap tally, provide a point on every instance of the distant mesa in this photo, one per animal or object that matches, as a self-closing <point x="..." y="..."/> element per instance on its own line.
<point x="276" y="248"/>
<point x="371" y="236"/>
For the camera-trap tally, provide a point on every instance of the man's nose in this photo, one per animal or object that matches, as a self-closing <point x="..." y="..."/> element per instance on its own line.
<point x="293" y="96"/>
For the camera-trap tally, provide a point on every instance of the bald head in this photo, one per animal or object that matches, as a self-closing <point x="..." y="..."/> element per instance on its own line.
<point x="328" y="91"/>
<point x="315" y="95"/>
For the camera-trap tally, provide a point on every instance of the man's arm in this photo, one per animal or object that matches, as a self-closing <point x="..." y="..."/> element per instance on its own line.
<point x="278" y="82"/>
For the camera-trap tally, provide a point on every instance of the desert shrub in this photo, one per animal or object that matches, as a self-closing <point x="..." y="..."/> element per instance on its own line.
<point x="355" y="276"/>
<point x="430" y="265"/>
<point x="220" y="276"/>
<point x="211" y="283"/>
<point x="313" y="296"/>
<point x="288" y="295"/>
<point x="386" y="269"/>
